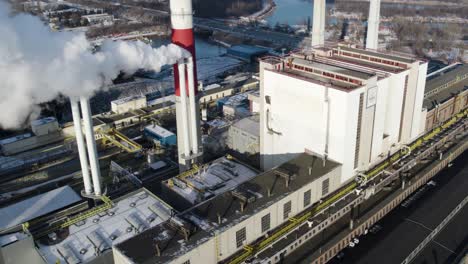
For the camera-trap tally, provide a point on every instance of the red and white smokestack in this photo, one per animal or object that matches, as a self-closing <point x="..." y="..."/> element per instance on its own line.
<point x="182" y="34"/>
<point x="185" y="79"/>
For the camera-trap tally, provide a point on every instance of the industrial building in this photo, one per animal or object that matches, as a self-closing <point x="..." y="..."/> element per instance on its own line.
<point x="127" y="104"/>
<point x="351" y="105"/>
<point x="161" y="135"/>
<point x="237" y="217"/>
<point x="338" y="128"/>
<point x="43" y="132"/>
<point x="244" y="136"/>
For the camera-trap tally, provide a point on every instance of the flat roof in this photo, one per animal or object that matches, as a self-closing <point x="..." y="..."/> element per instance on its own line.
<point x="138" y="210"/>
<point x="43" y="121"/>
<point x="445" y="77"/>
<point x="445" y="94"/>
<point x="378" y="54"/>
<point x="37" y="206"/>
<point x="333" y="68"/>
<point x="158" y="130"/>
<point x="16" y="138"/>
<point x="140" y="248"/>
<point x="128" y="99"/>
<point x="218" y="177"/>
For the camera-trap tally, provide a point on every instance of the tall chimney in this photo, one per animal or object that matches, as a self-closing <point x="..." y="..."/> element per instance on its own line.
<point x="91" y="143"/>
<point x="372" y="40"/>
<point x="318" y="27"/>
<point x="187" y="103"/>
<point x="182" y="33"/>
<point x="81" y="146"/>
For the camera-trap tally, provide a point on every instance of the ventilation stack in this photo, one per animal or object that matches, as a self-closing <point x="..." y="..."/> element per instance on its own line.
<point x="318" y="27"/>
<point x="373" y="22"/>
<point x="92" y="188"/>
<point x="185" y="79"/>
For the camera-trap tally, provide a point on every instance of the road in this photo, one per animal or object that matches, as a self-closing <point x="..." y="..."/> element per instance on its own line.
<point x="278" y="38"/>
<point x="404" y="228"/>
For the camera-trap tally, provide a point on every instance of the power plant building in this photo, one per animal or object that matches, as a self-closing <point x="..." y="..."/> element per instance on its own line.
<point x="352" y="106"/>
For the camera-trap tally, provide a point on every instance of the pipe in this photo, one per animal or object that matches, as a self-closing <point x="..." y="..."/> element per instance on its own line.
<point x="81" y="146"/>
<point x="193" y="105"/>
<point x="183" y="100"/>
<point x="91" y="143"/>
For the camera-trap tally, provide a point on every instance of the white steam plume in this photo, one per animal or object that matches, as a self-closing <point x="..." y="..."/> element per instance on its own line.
<point x="37" y="65"/>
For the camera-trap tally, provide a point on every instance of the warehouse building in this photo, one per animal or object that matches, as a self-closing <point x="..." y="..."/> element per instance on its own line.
<point x="43" y="131"/>
<point x="160" y="135"/>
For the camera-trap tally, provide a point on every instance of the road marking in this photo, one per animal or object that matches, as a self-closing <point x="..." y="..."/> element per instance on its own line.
<point x="419" y="224"/>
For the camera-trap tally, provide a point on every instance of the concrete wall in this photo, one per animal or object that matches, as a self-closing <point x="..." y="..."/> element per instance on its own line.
<point x="418" y="103"/>
<point x="242" y="141"/>
<point x="298" y="112"/>
<point x="125" y="107"/>
<point x="227" y="239"/>
<point x="204" y="253"/>
<point x="30" y="143"/>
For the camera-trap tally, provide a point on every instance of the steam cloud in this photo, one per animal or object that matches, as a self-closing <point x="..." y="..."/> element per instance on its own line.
<point x="37" y="65"/>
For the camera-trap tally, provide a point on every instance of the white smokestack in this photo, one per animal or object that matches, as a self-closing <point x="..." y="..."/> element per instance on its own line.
<point x="91" y="143"/>
<point x="38" y="65"/>
<point x="81" y="146"/>
<point x="193" y="106"/>
<point x="183" y="98"/>
<point x="318" y="27"/>
<point x="373" y="22"/>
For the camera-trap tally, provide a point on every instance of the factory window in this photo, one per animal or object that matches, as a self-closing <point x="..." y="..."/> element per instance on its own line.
<point x="307" y="198"/>
<point x="265" y="223"/>
<point x="187" y="261"/>
<point x="286" y="210"/>
<point x="240" y="237"/>
<point x="358" y="132"/>
<point x="325" y="187"/>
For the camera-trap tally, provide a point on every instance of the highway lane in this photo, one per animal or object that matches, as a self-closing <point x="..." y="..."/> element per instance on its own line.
<point x="404" y="228"/>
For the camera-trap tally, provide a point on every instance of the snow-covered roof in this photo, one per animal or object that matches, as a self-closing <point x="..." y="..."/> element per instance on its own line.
<point x="160" y="131"/>
<point x="133" y="214"/>
<point x="218" y="177"/>
<point x="37" y="206"/>
<point x="43" y="121"/>
<point x="127" y="99"/>
<point x="15" y="138"/>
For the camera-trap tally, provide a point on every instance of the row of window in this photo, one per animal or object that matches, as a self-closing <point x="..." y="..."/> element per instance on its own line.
<point x="327" y="74"/>
<point x="241" y="234"/>
<point x="373" y="59"/>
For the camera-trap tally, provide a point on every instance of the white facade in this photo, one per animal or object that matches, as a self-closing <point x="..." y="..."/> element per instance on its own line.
<point x="356" y="126"/>
<point x="127" y="104"/>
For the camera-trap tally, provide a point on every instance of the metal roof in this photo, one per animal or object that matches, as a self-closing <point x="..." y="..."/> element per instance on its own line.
<point x="37" y="206"/>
